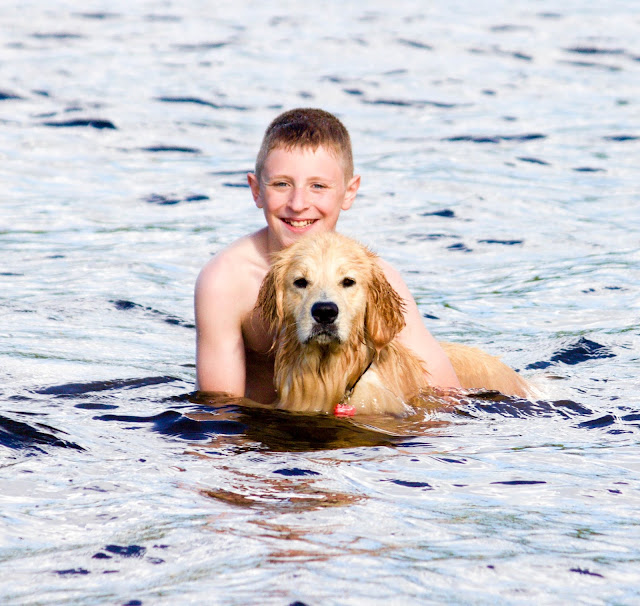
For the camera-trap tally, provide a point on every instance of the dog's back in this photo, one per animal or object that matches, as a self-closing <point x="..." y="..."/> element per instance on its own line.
<point x="478" y="369"/>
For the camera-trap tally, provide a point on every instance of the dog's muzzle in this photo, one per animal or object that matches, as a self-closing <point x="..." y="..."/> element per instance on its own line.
<point x="324" y="312"/>
<point x="325" y="328"/>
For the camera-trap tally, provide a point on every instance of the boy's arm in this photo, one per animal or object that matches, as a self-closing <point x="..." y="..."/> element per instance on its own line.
<point x="417" y="338"/>
<point x="220" y="352"/>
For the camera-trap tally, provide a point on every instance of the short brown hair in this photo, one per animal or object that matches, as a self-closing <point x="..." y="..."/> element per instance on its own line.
<point x="307" y="127"/>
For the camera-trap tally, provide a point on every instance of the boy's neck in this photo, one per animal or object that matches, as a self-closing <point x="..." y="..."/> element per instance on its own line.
<point x="272" y="246"/>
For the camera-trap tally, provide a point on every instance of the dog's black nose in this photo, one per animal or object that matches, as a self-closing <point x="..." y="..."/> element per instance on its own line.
<point x="324" y="312"/>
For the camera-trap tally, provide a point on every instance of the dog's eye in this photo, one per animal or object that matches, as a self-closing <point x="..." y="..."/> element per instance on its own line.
<point x="300" y="283"/>
<point x="347" y="282"/>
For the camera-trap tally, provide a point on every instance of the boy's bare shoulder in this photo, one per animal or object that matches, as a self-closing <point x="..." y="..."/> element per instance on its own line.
<point x="235" y="271"/>
<point x="394" y="277"/>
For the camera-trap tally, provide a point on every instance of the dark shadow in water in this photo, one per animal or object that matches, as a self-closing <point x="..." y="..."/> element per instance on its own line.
<point x="179" y="149"/>
<point x="447" y="213"/>
<point x="82" y="122"/>
<point x="604" y="421"/>
<point x="124" y="305"/>
<point x="174" y="423"/>
<point x="621" y="138"/>
<point x="75" y="389"/>
<point x="414" y="44"/>
<point x="493" y="402"/>
<point x="199" y="101"/>
<point x="19" y="435"/>
<point x="281" y="431"/>
<point x="413" y="103"/>
<point x="56" y="36"/>
<point x="7" y="96"/>
<point x="582" y="350"/>
<point x="100" y="16"/>
<point x="241" y="425"/>
<point x="220" y="424"/>
<point x="240" y="185"/>
<point x="495" y="138"/>
<point x="501" y="242"/>
<point x="588" y="169"/>
<point x="592" y="50"/>
<point x="171" y="199"/>
<point x="532" y="160"/>
<point x="592" y="64"/>
<point x="520" y="482"/>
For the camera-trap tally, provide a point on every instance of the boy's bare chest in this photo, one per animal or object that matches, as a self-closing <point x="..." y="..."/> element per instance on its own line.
<point x="258" y="359"/>
<point x="257" y="337"/>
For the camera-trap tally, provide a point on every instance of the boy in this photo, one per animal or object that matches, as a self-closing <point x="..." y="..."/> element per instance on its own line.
<point x="302" y="181"/>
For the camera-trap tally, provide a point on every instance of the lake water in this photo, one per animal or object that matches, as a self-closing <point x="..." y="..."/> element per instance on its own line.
<point x="499" y="146"/>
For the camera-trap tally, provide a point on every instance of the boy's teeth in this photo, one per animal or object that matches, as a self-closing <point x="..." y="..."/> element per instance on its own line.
<point x="299" y="223"/>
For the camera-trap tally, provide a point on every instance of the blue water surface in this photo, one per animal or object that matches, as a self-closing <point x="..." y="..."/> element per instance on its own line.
<point x="498" y="144"/>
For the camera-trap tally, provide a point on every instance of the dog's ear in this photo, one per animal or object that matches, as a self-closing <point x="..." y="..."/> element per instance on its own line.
<point x="269" y="301"/>
<point x="385" y="309"/>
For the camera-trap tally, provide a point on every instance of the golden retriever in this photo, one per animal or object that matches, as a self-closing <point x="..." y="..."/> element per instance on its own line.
<point x="335" y="318"/>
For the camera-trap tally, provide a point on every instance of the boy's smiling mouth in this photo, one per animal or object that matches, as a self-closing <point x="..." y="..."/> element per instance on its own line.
<point x="299" y="223"/>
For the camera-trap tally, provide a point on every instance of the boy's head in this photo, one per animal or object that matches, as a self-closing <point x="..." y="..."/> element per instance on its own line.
<point x="307" y="128"/>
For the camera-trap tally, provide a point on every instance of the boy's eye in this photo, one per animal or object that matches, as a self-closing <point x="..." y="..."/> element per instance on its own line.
<point x="347" y="282"/>
<point x="319" y="186"/>
<point x="300" y="282"/>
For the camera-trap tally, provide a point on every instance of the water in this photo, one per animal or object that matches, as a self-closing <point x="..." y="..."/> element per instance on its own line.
<point x="498" y="145"/>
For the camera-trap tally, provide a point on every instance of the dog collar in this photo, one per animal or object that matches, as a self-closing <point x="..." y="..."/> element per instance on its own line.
<point x="343" y="408"/>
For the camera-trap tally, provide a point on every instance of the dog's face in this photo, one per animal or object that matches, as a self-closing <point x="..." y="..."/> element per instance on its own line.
<point x="333" y="291"/>
<point x="325" y="296"/>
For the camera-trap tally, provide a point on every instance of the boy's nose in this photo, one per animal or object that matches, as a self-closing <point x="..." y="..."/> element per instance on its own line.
<point x="298" y="200"/>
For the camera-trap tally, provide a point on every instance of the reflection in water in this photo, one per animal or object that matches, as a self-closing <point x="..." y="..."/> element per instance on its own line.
<point x="280" y="495"/>
<point x="498" y="148"/>
<point x="282" y="431"/>
<point x="265" y="428"/>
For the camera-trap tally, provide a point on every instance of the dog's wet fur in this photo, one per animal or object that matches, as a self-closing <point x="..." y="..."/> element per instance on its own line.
<point x="336" y="317"/>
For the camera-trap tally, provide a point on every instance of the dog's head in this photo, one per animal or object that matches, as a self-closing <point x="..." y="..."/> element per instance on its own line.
<point x="332" y="291"/>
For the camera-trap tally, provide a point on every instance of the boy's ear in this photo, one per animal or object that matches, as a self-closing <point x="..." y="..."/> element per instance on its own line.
<point x="254" y="184"/>
<point x="385" y="309"/>
<point x="350" y="193"/>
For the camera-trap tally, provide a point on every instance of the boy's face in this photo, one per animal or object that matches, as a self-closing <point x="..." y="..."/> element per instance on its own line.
<point x="301" y="191"/>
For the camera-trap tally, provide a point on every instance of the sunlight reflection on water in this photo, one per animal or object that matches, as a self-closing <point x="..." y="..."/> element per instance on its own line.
<point x="498" y="146"/>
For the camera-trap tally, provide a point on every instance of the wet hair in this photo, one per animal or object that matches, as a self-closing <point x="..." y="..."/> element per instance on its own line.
<point x="307" y="127"/>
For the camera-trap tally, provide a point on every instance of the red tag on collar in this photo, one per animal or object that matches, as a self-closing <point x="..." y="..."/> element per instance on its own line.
<point x="344" y="410"/>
